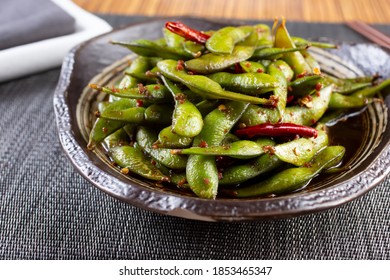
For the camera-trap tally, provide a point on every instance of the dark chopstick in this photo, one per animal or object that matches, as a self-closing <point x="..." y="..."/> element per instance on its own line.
<point x="370" y="32"/>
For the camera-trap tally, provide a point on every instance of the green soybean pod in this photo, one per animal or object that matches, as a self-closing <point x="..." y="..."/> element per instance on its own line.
<point x="146" y="137"/>
<point x="159" y="114"/>
<point x="280" y="91"/>
<point x="257" y="115"/>
<point x="243" y="149"/>
<point x="116" y="139"/>
<point x="153" y="93"/>
<point x="305" y="85"/>
<point x="241" y="173"/>
<point x="170" y="140"/>
<point x="147" y="48"/>
<point x="297" y="152"/>
<point x="211" y="63"/>
<point x="133" y="114"/>
<point x="204" y="86"/>
<point x="308" y="116"/>
<point x="274" y="53"/>
<point x="133" y="159"/>
<point x="293" y="178"/>
<point x="101" y="129"/>
<point x="357" y="99"/>
<point x="248" y="83"/>
<point x="252" y="67"/>
<point x="187" y="121"/>
<point x="138" y="68"/>
<point x="295" y="59"/>
<point x="223" y="40"/>
<point x="201" y="170"/>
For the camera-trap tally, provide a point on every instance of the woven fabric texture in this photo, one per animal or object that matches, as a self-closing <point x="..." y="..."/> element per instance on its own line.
<point x="48" y="211"/>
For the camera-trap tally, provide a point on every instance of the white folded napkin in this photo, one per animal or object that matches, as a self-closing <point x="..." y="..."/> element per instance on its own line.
<point x="45" y="54"/>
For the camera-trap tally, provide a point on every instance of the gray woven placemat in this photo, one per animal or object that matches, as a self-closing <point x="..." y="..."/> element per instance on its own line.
<point x="48" y="211"/>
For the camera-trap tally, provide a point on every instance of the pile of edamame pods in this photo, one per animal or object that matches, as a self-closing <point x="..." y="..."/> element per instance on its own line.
<point x="209" y="111"/>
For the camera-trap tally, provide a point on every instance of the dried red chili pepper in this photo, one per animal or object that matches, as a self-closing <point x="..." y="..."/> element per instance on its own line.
<point x="275" y="130"/>
<point x="188" y="33"/>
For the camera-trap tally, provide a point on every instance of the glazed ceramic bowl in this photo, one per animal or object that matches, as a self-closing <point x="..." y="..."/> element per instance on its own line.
<point x="365" y="135"/>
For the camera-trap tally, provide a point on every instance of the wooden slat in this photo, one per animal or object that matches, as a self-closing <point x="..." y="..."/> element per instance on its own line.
<point x="371" y="11"/>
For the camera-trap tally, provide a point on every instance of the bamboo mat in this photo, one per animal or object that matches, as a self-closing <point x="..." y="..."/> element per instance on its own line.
<point x="371" y="11"/>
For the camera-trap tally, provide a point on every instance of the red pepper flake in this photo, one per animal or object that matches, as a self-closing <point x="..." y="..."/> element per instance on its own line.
<point x="203" y="144"/>
<point x="269" y="150"/>
<point x="153" y="162"/>
<point x="139" y="103"/>
<point x="180" y="97"/>
<point x="290" y="98"/>
<point x="318" y="86"/>
<point x="306" y="101"/>
<point x="238" y="69"/>
<point x="274" y="100"/>
<point x="318" y="93"/>
<point x="289" y="88"/>
<point x="97" y="113"/>
<point x="303" y="74"/>
<point x="180" y="65"/>
<point x="105" y="129"/>
<point x="157" y="87"/>
<point x="248" y="64"/>
<point x="181" y="182"/>
<point x="141" y="88"/>
<point x="259" y="70"/>
<point x="206" y="181"/>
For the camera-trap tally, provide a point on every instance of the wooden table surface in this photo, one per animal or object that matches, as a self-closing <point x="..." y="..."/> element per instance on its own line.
<point x="370" y="11"/>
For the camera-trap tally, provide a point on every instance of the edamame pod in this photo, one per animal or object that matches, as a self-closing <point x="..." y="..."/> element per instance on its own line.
<point x="357" y="99"/>
<point x="132" y="159"/>
<point x="280" y="91"/>
<point x="224" y="40"/>
<point x="146" y="137"/>
<point x="187" y="121"/>
<point x="252" y="67"/>
<point x="116" y="139"/>
<point x="238" y="174"/>
<point x="249" y="83"/>
<point x="170" y="140"/>
<point x="101" y="129"/>
<point x="295" y="59"/>
<point x="159" y="114"/>
<point x="211" y="63"/>
<point x="292" y="178"/>
<point x="152" y="93"/>
<point x="152" y="49"/>
<point x="203" y="85"/>
<point x="243" y="149"/>
<point x="202" y="173"/>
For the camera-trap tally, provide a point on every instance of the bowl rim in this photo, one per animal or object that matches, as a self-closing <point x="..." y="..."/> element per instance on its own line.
<point x="195" y="208"/>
